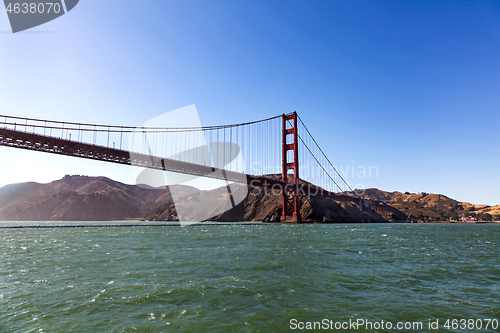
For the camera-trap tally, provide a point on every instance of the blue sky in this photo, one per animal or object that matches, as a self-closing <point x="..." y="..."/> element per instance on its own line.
<point x="410" y="87"/>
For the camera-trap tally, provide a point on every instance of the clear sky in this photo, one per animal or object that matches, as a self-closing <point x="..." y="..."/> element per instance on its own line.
<point x="409" y="87"/>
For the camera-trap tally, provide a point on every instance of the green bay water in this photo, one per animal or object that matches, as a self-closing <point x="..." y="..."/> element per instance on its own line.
<point x="247" y="278"/>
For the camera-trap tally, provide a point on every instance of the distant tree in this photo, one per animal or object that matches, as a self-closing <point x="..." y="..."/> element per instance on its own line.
<point x="484" y="217"/>
<point x="407" y="193"/>
<point x="390" y="216"/>
<point x="449" y="214"/>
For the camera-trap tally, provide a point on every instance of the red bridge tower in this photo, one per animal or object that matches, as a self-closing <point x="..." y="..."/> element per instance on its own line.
<point x="291" y="195"/>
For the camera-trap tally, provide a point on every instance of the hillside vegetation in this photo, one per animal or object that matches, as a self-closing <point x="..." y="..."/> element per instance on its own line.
<point x="433" y="207"/>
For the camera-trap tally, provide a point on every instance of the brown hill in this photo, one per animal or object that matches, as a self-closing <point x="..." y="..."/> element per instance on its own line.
<point x="432" y="207"/>
<point x="79" y="198"/>
<point x="492" y="210"/>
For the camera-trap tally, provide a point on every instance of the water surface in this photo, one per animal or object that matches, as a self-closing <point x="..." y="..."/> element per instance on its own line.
<point x="246" y="278"/>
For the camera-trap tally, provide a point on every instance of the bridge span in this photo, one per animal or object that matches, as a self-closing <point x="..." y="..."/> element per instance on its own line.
<point x="72" y="139"/>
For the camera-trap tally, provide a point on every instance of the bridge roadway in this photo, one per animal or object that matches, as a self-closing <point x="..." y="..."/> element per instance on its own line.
<point x="48" y="144"/>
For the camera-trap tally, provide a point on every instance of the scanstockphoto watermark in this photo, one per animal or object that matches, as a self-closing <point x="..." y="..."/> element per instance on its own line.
<point x="174" y="148"/>
<point x="332" y="180"/>
<point x="26" y="14"/>
<point x="356" y="324"/>
<point x="194" y="161"/>
<point x="309" y="169"/>
<point x="270" y="187"/>
<point x="468" y="324"/>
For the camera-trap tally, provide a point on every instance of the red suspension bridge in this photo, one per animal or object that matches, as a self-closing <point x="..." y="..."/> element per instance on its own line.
<point x="278" y="151"/>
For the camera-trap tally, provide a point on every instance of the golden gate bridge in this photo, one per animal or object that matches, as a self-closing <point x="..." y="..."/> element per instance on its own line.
<point x="279" y="152"/>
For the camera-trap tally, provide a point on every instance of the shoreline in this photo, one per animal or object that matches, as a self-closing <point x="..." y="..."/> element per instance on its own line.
<point x="138" y="223"/>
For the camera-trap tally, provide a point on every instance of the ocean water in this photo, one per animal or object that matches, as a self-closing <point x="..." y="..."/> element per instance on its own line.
<point x="251" y="278"/>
